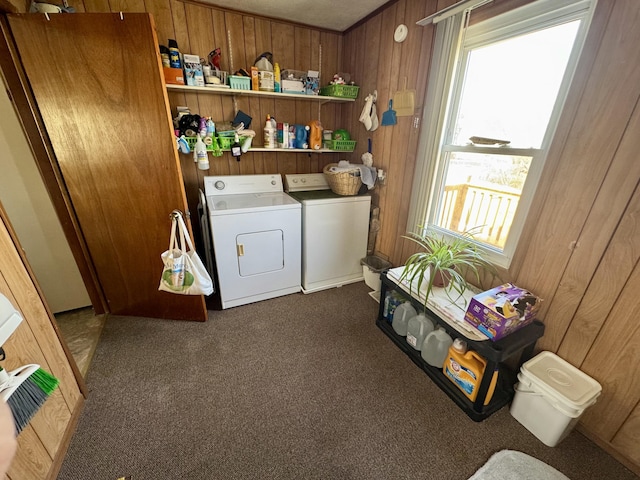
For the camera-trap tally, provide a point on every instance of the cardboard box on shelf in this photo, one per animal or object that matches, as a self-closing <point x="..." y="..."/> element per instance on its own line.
<point x="502" y="310"/>
<point x="193" y="70"/>
<point x="173" y="76"/>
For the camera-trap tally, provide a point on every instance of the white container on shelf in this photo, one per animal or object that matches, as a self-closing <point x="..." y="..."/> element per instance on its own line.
<point x="401" y="317"/>
<point x="551" y="395"/>
<point x="436" y="347"/>
<point x="417" y="329"/>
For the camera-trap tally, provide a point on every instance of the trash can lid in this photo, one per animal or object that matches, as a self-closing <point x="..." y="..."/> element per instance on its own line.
<point x="375" y="263"/>
<point x="558" y="377"/>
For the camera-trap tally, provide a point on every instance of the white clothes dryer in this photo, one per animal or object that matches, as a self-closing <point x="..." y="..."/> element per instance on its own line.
<point x="335" y="230"/>
<point x="255" y="228"/>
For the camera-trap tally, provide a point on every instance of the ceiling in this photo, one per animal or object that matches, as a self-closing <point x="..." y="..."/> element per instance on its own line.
<point x="327" y="14"/>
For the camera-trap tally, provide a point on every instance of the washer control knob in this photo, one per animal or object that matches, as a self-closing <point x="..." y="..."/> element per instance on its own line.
<point x="303" y="180"/>
<point x="219" y="185"/>
<point x="273" y="182"/>
<point x="295" y="180"/>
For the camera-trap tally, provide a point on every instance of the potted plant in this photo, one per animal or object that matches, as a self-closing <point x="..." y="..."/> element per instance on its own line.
<point x="444" y="262"/>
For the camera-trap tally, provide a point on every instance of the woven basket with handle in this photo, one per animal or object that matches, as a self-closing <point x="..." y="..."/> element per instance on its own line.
<point x="343" y="183"/>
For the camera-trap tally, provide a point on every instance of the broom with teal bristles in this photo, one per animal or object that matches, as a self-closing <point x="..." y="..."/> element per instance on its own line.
<point x="25" y="390"/>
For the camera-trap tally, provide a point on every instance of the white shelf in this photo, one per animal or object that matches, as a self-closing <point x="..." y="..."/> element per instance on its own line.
<point x="257" y="93"/>
<point x="295" y="150"/>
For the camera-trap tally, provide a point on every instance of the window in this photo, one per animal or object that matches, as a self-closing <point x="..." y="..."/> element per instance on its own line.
<point x="495" y="93"/>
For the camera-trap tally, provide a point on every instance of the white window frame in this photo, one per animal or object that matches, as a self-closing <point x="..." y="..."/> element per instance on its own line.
<point x="445" y="87"/>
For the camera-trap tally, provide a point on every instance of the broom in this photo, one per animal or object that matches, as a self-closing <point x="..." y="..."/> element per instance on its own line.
<point x="25" y="390"/>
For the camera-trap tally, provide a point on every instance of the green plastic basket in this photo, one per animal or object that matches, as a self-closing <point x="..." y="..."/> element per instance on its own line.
<point x="224" y="142"/>
<point x="341" y="145"/>
<point x="341" y="91"/>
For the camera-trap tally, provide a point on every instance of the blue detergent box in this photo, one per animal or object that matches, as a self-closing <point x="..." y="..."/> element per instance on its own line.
<point x="502" y="310"/>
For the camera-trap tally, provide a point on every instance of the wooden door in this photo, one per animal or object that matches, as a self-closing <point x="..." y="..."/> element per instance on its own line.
<point x="98" y="84"/>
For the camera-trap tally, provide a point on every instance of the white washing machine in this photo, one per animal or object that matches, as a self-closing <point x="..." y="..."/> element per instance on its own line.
<point x="256" y="234"/>
<point x="335" y="229"/>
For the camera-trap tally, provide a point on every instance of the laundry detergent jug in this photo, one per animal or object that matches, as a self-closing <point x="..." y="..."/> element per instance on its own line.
<point x="417" y="329"/>
<point x="401" y="317"/>
<point x="465" y="369"/>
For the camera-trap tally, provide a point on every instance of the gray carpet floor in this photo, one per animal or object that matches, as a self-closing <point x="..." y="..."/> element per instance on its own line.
<point x="297" y="387"/>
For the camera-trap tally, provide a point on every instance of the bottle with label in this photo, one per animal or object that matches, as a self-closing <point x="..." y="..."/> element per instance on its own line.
<point x="276" y="77"/>
<point x="174" y="54"/>
<point x="200" y="154"/>
<point x="164" y="55"/>
<point x="465" y="369"/>
<point x="417" y="329"/>
<point x="401" y="318"/>
<point x="435" y="347"/>
<point x="270" y="132"/>
<point x="391" y="301"/>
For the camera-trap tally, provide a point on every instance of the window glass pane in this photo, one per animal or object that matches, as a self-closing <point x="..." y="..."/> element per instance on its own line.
<point x="481" y="193"/>
<point x="510" y="87"/>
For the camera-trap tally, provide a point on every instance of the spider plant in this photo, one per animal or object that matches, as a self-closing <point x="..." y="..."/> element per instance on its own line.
<point x="444" y="262"/>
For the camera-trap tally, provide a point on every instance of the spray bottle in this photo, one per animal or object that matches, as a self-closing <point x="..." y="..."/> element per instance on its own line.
<point x="200" y="154"/>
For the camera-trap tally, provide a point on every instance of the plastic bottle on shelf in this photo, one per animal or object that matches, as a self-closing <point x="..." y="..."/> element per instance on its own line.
<point x="276" y="77"/>
<point x="417" y="329"/>
<point x="401" y="318"/>
<point x="174" y="54"/>
<point x="435" y="347"/>
<point x="200" y="154"/>
<point x="465" y="369"/>
<point x="391" y="302"/>
<point x="270" y="132"/>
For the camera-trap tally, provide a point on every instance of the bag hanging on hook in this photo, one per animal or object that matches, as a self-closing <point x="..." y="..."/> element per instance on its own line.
<point x="183" y="272"/>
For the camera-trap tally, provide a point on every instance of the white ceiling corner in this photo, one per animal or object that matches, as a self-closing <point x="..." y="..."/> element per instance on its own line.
<point x="327" y="14"/>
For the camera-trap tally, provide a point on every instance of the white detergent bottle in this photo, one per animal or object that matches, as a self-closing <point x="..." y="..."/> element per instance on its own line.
<point x="417" y="329"/>
<point x="200" y="154"/>
<point x="435" y="347"/>
<point x="401" y="317"/>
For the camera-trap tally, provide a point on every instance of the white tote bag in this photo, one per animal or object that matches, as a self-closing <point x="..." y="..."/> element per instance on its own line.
<point x="184" y="272"/>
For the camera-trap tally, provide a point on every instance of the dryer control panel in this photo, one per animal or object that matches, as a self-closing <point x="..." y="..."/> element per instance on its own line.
<point x="242" y="184"/>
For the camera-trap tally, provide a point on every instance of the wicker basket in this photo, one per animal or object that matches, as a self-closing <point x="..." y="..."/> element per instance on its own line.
<point x="343" y="183"/>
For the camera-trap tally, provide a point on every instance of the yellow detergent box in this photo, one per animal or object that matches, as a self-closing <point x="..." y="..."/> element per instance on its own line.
<point x="502" y="310"/>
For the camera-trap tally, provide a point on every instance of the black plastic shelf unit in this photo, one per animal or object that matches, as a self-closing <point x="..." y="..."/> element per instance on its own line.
<point x="496" y="353"/>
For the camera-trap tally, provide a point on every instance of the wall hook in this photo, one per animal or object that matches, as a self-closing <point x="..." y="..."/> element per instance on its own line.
<point x="121" y="16"/>
<point x="47" y="16"/>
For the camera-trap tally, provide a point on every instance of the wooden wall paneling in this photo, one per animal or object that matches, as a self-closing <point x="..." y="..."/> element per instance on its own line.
<point x="587" y="298"/>
<point x="627" y="439"/>
<point x="609" y="98"/>
<point x="305" y="111"/>
<point x="330" y="113"/>
<point x="392" y="158"/>
<point x="252" y="163"/>
<point x="162" y="16"/>
<point x="31" y="460"/>
<point x="131" y="6"/>
<point x="612" y="361"/>
<point x="283" y="43"/>
<point x="311" y="162"/>
<point x="411" y="55"/>
<point x="575" y="96"/>
<point x="265" y="105"/>
<point x="386" y="60"/>
<point x="97" y="6"/>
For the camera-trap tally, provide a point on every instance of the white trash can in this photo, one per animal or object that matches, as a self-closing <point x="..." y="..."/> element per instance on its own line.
<point x="550" y="397"/>
<point x="372" y="266"/>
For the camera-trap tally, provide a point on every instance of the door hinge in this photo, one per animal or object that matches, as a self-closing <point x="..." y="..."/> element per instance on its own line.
<point x="416" y="121"/>
<point x="240" y="249"/>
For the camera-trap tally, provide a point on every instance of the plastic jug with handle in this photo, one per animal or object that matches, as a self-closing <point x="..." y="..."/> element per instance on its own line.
<point x="417" y="329"/>
<point x="465" y="369"/>
<point x="435" y="347"/>
<point x="401" y="317"/>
